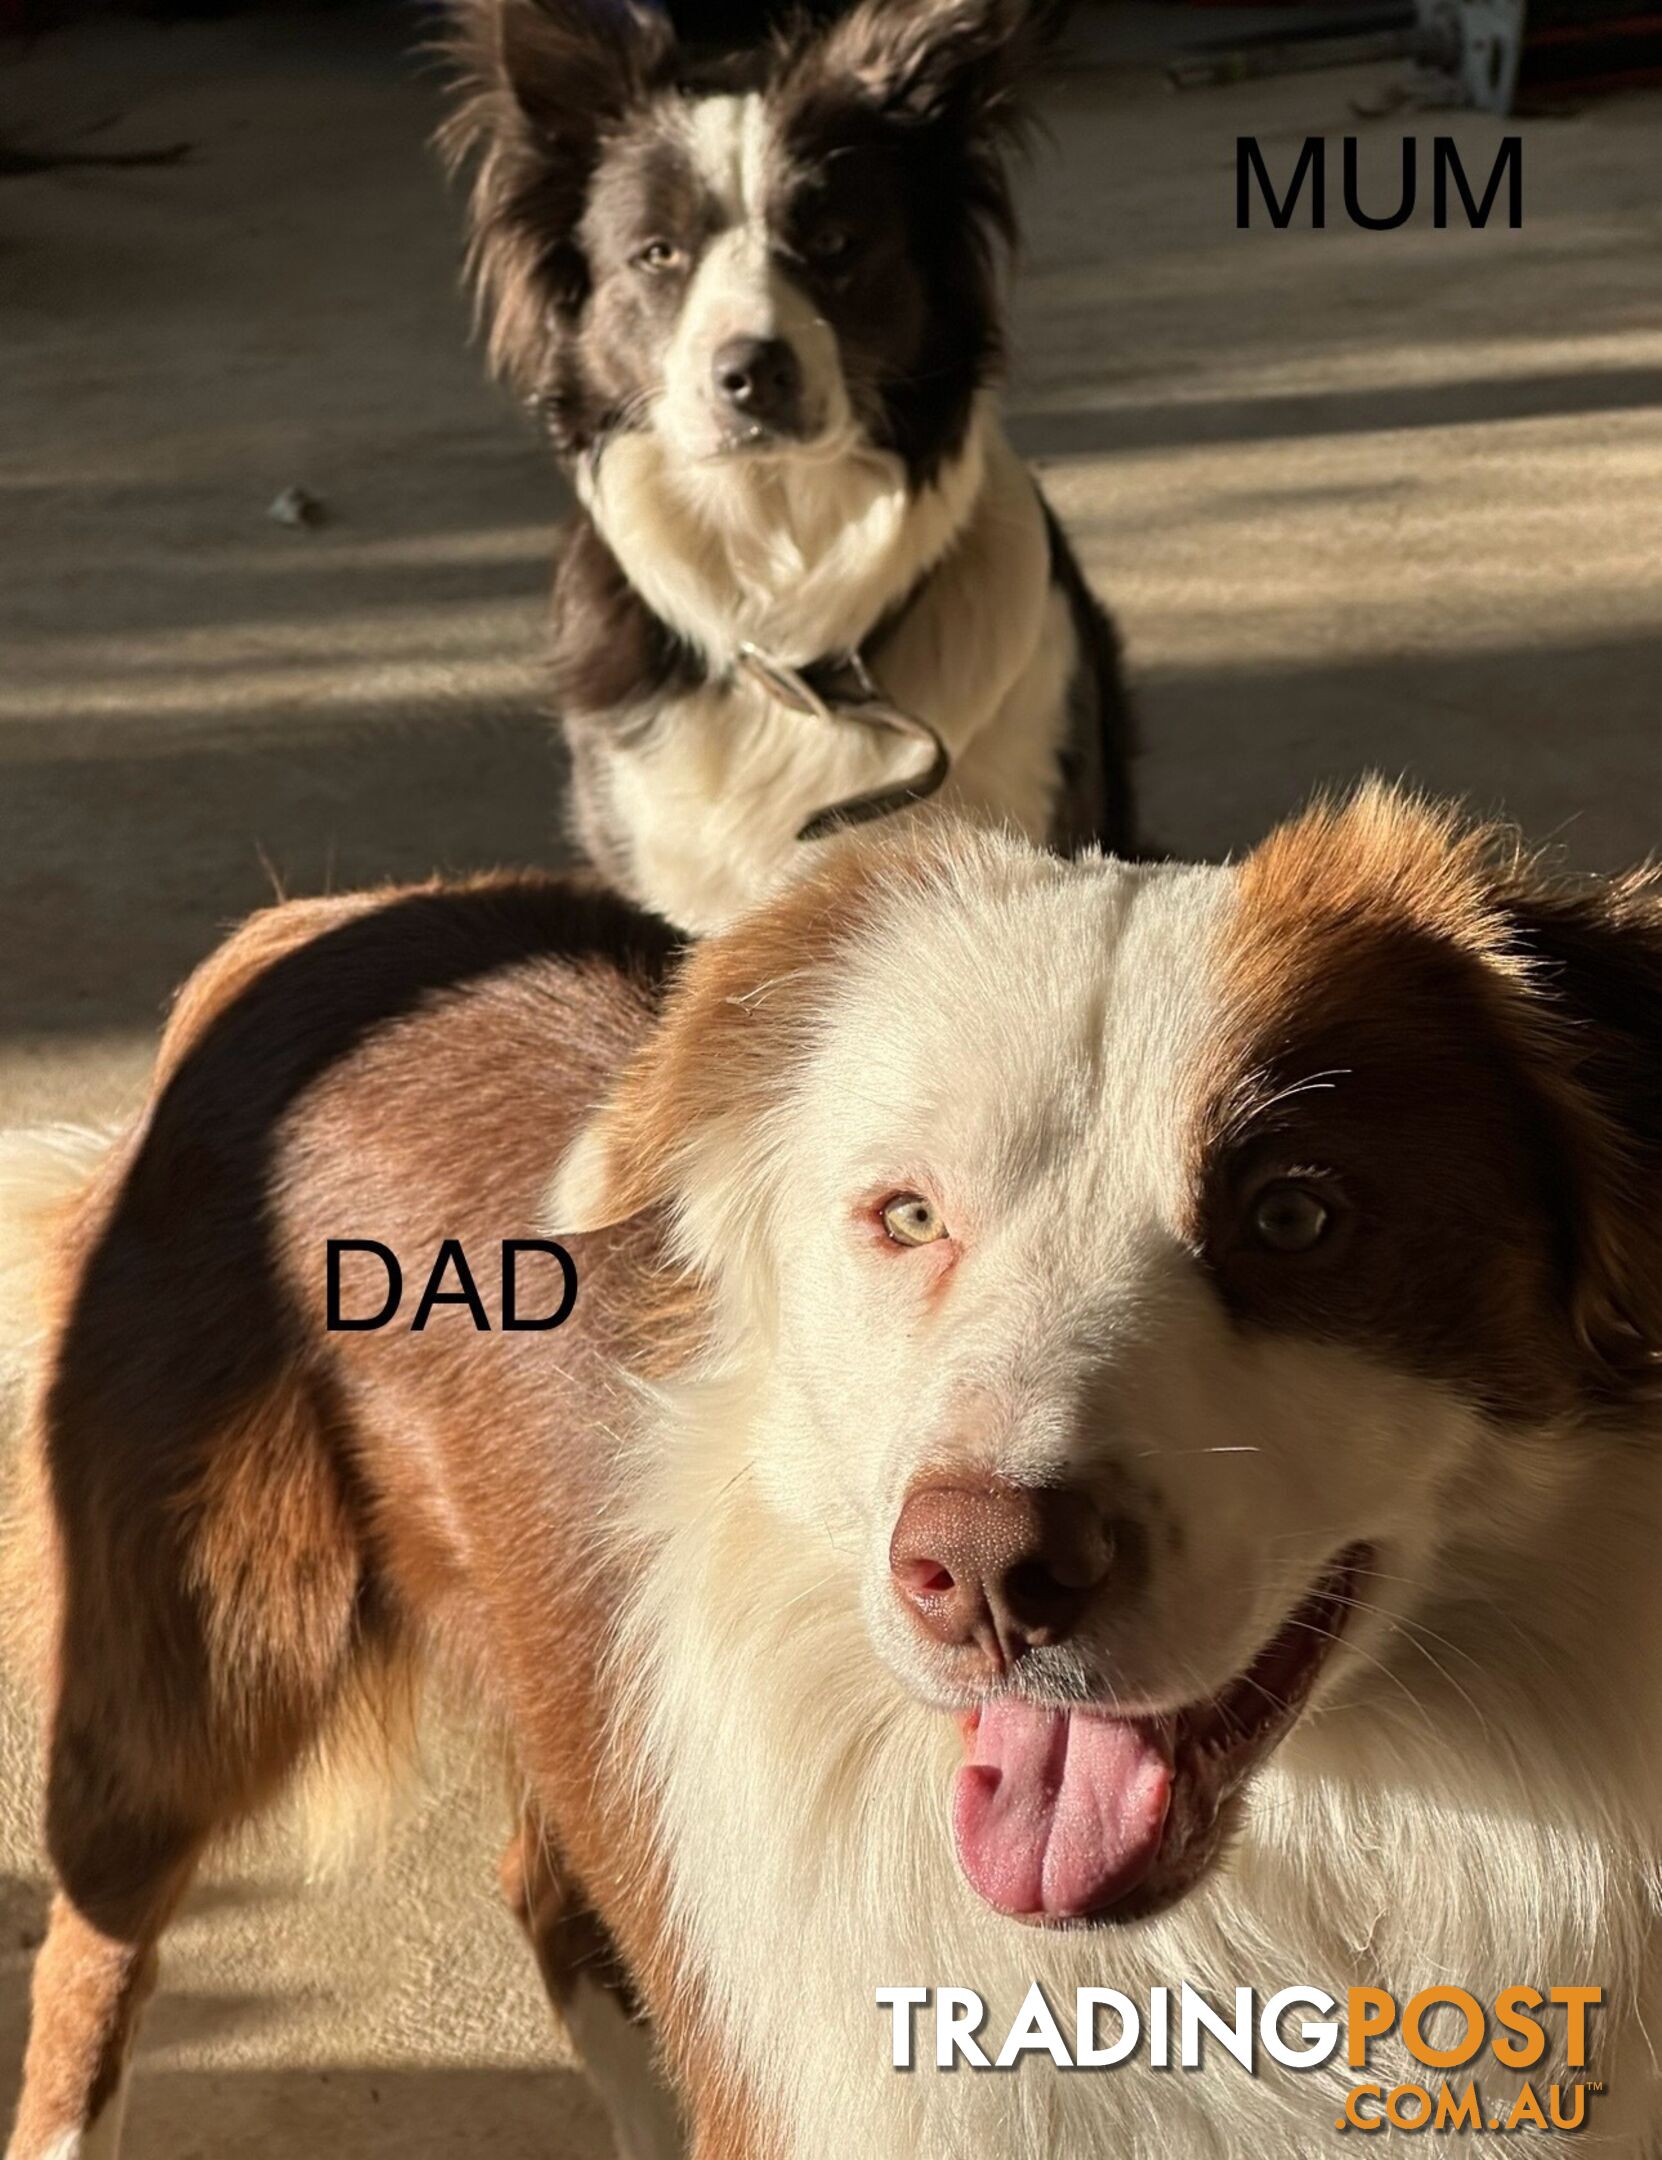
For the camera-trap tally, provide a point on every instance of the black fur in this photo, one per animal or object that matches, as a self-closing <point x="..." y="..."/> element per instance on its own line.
<point x="1096" y="805"/>
<point x="896" y="124"/>
<point x="543" y="84"/>
<point x="887" y="202"/>
<point x="609" y="650"/>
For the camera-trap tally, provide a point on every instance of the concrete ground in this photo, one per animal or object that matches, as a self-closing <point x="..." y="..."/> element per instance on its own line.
<point x="1387" y="501"/>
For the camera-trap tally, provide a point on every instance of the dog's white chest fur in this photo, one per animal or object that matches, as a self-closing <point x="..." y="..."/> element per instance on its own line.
<point x="800" y="555"/>
<point x="807" y="1813"/>
<point x="705" y="798"/>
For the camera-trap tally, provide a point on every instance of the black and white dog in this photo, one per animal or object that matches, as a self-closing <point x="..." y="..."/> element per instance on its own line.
<point x="756" y="303"/>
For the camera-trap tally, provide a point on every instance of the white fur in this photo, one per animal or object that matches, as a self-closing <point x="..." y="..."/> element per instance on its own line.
<point x="101" y="2142"/>
<point x="801" y="554"/>
<point x="802" y="558"/>
<point x="1474" y="1797"/>
<point x="806" y="547"/>
<point x="739" y="291"/>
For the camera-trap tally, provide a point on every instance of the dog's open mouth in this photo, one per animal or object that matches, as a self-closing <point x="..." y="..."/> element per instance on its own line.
<point x="1076" y="1814"/>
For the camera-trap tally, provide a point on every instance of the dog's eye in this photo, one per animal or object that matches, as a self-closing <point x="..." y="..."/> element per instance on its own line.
<point x="658" y="256"/>
<point x="827" y="242"/>
<point x="911" y="1220"/>
<point x="1289" y="1217"/>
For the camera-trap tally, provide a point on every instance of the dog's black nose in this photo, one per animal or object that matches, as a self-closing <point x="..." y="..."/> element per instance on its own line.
<point x="762" y="379"/>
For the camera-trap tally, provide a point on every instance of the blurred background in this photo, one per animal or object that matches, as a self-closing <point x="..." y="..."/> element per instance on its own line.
<point x="273" y="564"/>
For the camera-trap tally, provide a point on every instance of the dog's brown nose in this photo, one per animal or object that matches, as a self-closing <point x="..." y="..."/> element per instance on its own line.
<point x="1003" y="1567"/>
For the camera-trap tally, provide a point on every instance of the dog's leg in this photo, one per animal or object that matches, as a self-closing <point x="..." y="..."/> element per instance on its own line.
<point x="205" y="1609"/>
<point x="592" y="1997"/>
<point x="92" y="1979"/>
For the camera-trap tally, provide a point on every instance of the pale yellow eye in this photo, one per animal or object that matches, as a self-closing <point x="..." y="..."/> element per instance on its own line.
<point x="911" y="1220"/>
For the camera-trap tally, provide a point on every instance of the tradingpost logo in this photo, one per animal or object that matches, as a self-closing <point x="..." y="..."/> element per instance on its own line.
<point x="1441" y="2030"/>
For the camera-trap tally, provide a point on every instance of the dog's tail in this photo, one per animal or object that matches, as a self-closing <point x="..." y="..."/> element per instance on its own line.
<point x="42" y="1172"/>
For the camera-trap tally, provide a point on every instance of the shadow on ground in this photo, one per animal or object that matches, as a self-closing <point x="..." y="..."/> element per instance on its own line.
<point x="121" y="867"/>
<point x="379" y="2113"/>
<point x="1564" y="739"/>
<point x="1186" y="423"/>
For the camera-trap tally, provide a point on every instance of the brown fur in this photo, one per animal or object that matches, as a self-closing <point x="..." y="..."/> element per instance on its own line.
<point x="742" y="1002"/>
<point x="251" y="1529"/>
<point x="1471" y="1046"/>
<point x="568" y="1938"/>
<point x="90" y="1988"/>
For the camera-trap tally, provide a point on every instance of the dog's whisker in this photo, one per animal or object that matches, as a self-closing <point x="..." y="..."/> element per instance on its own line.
<point x="1399" y="1625"/>
<point x="1491" y="1613"/>
<point x="1375" y="1663"/>
<point x="1166" y="1454"/>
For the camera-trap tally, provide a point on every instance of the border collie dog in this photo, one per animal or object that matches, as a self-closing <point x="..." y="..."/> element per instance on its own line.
<point x="755" y="301"/>
<point x="1172" y="1500"/>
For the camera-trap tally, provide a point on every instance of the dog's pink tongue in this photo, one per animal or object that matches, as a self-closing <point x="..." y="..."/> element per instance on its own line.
<point x="1058" y="1812"/>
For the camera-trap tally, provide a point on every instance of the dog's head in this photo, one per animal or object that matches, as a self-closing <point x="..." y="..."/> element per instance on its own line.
<point x="1168" y="1283"/>
<point x="786" y="255"/>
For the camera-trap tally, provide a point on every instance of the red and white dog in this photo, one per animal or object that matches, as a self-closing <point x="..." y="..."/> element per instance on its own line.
<point x="1109" y="1435"/>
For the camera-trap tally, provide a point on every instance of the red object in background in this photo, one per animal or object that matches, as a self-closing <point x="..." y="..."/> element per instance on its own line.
<point x="1576" y="47"/>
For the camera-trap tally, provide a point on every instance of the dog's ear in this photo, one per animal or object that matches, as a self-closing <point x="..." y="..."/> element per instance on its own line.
<point x="918" y="62"/>
<point x="573" y="65"/>
<point x="1593" y="955"/>
<point x="538" y="84"/>
<point x="704" y="1079"/>
<point x="692" y="1122"/>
